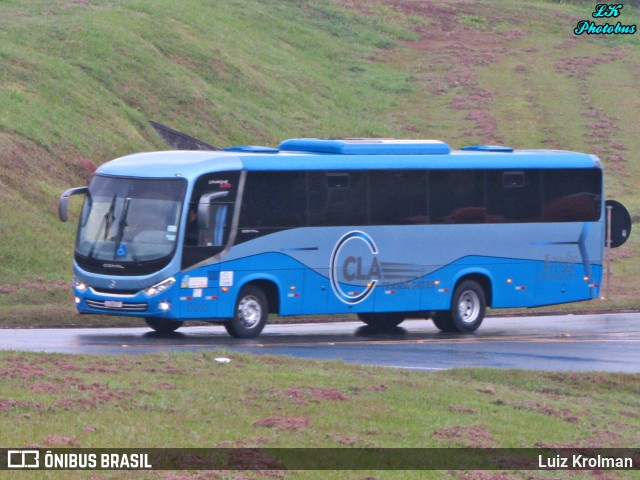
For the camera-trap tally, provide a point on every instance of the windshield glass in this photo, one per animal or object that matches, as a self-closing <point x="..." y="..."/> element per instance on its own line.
<point x="129" y="220"/>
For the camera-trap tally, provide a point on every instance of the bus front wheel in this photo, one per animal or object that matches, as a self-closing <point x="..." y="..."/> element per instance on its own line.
<point x="468" y="305"/>
<point x="163" y="325"/>
<point x="250" y="315"/>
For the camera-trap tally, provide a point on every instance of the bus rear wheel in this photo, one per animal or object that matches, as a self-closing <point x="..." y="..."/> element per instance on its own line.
<point x="163" y="325"/>
<point x="250" y="315"/>
<point x="381" y="320"/>
<point x="468" y="306"/>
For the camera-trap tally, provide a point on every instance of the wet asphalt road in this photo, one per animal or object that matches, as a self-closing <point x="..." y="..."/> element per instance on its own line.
<point x="605" y="342"/>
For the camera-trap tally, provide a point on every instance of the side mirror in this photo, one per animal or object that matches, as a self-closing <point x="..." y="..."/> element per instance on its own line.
<point x="204" y="208"/>
<point x="64" y="200"/>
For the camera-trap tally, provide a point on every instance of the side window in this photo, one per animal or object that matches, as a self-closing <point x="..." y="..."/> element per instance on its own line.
<point x="572" y="195"/>
<point x="397" y="197"/>
<point x="209" y="218"/>
<point x="274" y="200"/>
<point x="457" y="196"/>
<point x="338" y="198"/>
<point x="513" y="196"/>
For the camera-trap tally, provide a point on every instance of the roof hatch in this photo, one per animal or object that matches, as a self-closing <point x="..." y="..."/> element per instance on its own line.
<point x="252" y="149"/>
<point x="487" y="148"/>
<point x="366" y="146"/>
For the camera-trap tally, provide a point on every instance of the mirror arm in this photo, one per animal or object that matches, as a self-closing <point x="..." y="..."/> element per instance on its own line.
<point x="204" y="207"/>
<point x="64" y="200"/>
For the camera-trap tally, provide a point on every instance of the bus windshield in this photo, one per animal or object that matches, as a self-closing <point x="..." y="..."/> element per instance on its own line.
<point x="129" y="221"/>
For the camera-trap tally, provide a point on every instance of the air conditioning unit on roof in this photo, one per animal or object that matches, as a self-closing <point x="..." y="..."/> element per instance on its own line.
<point x="366" y="146"/>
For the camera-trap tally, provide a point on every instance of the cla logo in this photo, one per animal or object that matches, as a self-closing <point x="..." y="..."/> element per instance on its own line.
<point x="354" y="262"/>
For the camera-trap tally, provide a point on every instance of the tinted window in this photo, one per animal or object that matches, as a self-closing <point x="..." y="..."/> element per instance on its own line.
<point x="572" y="195"/>
<point x="397" y="197"/>
<point x="457" y="196"/>
<point x="337" y="198"/>
<point x="274" y="200"/>
<point x="513" y="196"/>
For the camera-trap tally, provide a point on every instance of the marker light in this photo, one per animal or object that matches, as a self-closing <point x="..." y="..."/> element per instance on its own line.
<point x="159" y="287"/>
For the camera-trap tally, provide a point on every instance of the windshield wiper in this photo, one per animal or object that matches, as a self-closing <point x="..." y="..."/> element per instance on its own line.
<point x="122" y="225"/>
<point x="106" y="223"/>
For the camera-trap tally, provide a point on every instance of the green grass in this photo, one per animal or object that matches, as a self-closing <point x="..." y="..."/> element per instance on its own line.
<point x="191" y="400"/>
<point x="81" y="78"/>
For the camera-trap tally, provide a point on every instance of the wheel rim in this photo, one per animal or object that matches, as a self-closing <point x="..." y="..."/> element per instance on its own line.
<point x="469" y="306"/>
<point x="249" y="311"/>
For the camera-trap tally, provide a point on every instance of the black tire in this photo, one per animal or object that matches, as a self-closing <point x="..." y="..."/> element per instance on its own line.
<point x="382" y="320"/>
<point x="468" y="306"/>
<point x="250" y="315"/>
<point x="163" y="325"/>
<point x="442" y="321"/>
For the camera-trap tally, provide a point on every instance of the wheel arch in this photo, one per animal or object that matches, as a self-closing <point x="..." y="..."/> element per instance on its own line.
<point x="483" y="279"/>
<point x="270" y="289"/>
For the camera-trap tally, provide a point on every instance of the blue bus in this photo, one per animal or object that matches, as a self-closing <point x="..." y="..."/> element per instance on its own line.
<point x="385" y="229"/>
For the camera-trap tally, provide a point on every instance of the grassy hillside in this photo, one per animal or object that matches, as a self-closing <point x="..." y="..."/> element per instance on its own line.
<point x="81" y="77"/>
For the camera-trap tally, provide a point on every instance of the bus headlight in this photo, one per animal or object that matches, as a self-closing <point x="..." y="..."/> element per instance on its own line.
<point x="80" y="286"/>
<point x="159" y="287"/>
